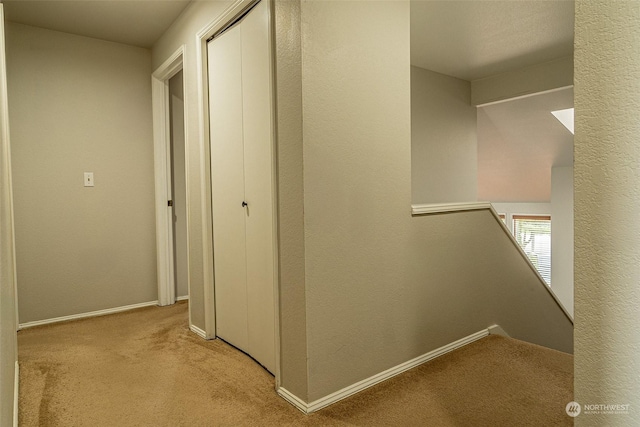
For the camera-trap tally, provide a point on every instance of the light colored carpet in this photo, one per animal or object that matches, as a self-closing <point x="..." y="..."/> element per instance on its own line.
<point x="145" y="368"/>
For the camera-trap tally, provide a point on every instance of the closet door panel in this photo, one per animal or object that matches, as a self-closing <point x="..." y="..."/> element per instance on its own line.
<point x="227" y="185"/>
<point x="257" y="111"/>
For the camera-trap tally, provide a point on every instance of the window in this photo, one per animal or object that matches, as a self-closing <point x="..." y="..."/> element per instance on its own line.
<point x="503" y="217"/>
<point x="533" y="234"/>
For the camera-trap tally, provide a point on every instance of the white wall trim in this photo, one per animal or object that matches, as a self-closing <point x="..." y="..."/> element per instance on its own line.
<point x="198" y="331"/>
<point x="86" y="315"/>
<point x="16" y="393"/>
<point x="5" y="146"/>
<point x="274" y="192"/>
<point x="182" y="298"/>
<point x="375" y="379"/>
<point x="162" y="172"/>
<point x="171" y="66"/>
<point x="425" y="209"/>
<point x="293" y="399"/>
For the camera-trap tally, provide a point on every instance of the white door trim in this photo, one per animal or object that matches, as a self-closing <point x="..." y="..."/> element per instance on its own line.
<point x="162" y="172"/>
<point x="8" y="243"/>
<point x="229" y="15"/>
<point x="5" y="145"/>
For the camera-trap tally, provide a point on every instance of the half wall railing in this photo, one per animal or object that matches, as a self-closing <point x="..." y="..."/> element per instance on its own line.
<point x="440" y="208"/>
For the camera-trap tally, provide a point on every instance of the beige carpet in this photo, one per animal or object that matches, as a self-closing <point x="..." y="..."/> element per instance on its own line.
<point x="145" y="368"/>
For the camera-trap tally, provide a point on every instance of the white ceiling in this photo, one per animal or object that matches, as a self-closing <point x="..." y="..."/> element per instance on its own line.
<point x="137" y="23"/>
<point x="519" y="142"/>
<point x="475" y="39"/>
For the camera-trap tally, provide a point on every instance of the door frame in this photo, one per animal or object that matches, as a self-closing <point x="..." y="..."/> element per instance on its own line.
<point x="234" y="11"/>
<point x="162" y="175"/>
<point x="5" y="146"/>
<point x="8" y="282"/>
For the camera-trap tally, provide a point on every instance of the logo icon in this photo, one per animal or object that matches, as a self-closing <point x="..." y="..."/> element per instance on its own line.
<point x="573" y="409"/>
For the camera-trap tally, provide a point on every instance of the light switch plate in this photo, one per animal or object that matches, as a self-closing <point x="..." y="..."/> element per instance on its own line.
<point x="88" y="179"/>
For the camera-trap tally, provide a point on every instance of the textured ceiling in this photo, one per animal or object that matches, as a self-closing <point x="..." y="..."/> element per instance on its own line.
<point x="475" y="39"/>
<point x="137" y="23"/>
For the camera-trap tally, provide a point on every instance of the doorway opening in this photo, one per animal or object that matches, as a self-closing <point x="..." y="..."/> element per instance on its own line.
<point x="169" y="118"/>
<point x="178" y="186"/>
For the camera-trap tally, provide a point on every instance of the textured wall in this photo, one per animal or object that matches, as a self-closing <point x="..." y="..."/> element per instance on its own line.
<point x="607" y="208"/>
<point x="444" y="144"/>
<point x="357" y="187"/>
<point x="363" y="285"/>
<point x="383" y="287"/>
<point x="80" y="104"/>
<point x="293" y="324"/>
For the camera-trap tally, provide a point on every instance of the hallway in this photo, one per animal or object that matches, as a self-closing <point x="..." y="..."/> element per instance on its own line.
<point x="145" y="368"/>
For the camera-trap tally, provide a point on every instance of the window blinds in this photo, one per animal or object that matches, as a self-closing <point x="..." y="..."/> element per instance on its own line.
<point x="533" y="234"/>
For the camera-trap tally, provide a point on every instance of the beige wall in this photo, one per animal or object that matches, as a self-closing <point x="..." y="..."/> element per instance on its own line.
<point x="444" y="144"/>
<point x="79" y="104"/>
<point x="8" y="327"/>
<point x="357" y="191"/>
<point x="383" y="287"/>
<point x="607" y="208"/>
<point x="562" y="235"/>
<point x="291" y="232"/>
<point x="8" y="341"/>
<point x="183" y="32"/>
<point x="363" y="285"/>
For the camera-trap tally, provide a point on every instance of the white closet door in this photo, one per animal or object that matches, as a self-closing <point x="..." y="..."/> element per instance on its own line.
<point x="242" y="170"/>
<point x="257" y="108"/>
<point x="227" y="185"/>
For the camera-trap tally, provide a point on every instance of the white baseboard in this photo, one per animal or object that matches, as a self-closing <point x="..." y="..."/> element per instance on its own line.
<point x="308" y="408"/>
<point x="198" y="331"/>
<point x="182" y="298"/>
<point x="293" y="399"/>
<point x="16" y="394"/>
<point x="86" y="315"/>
